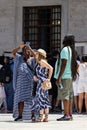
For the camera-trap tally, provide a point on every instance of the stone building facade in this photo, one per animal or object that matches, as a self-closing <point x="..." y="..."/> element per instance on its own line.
<point x="73" y="21"/>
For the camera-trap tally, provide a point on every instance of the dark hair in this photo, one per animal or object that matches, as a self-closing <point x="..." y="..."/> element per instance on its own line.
<point x="69" y="40"/>
<point x="23" y="49"/>
<point x="77" y="56"/>
<point x="7" y="59"/>
<point x="84" y="58"/>
<point x="55" y="52"/>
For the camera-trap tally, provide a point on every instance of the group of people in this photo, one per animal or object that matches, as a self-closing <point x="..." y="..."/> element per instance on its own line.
<point x="80" y="86"/>
<point x="28" y="70"/>
<point x="24" y="75"/>
<point x="31" y="69"/>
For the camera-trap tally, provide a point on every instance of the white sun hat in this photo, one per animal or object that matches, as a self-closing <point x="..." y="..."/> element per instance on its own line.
<point x="42" y="52"/>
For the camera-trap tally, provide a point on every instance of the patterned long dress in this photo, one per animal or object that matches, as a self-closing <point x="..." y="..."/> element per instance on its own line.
<point x="41" y="100"/>
<point x="23" y="88"/>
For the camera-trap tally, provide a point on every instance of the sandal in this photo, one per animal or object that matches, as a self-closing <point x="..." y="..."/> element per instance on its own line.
<point x="46" y="118"/>
<point x="33" y="119"/>
<point x="40" y="119"/>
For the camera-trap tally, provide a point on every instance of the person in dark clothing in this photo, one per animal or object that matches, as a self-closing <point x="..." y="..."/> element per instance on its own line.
<point x="54" y="91"/>
<point x="8" y="85"/>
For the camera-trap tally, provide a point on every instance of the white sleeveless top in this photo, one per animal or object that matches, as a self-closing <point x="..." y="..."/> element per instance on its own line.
<point x="83" y="74"/>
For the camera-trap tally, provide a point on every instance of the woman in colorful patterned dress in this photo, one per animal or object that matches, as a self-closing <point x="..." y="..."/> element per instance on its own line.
<point x="44" y="71"/>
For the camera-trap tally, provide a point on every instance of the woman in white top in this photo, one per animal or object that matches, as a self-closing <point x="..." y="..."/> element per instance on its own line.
<point x="82" y="84"/>
<point x="75" y="87"/>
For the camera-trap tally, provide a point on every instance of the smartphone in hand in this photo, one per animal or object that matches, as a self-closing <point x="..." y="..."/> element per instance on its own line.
<point x="27" y="43"/>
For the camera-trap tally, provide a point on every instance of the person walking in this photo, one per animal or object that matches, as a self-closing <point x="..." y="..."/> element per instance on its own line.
<point x="67" y="73"/>
<point x="44" y="71"/>
<point x="22" y="83"/>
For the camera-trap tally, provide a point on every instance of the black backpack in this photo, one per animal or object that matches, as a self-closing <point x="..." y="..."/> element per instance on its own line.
<point x="5" y="74"/>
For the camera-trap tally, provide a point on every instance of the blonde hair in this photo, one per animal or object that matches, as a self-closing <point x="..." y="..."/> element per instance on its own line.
<point x="40" y="57"/>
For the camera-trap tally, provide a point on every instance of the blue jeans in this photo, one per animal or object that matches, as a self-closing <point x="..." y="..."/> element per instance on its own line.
<point x="9" y="95"/>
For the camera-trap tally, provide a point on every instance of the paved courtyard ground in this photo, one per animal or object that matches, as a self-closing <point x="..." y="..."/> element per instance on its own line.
<point x="79" y="123"/>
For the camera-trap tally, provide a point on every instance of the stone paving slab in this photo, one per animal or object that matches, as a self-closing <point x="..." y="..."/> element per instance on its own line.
<point x="79" y="123"/>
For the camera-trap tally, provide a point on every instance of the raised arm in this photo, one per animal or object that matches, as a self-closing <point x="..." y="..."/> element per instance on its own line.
<point x="14" y="51"/>
<point x="32" y="52"/>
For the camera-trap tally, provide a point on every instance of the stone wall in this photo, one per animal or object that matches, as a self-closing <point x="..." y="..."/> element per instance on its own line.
<point x="7" y="25"/>
<point x="11" y="20"/>
<point x="78" y="19"/>
<point x="74" y="20"/>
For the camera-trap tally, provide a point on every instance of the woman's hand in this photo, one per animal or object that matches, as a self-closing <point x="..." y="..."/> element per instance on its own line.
<point x="14" y="51"/>
<point x="35" y="78"/>
<point x="47" y="80"/>
<point x="22" y="45"/>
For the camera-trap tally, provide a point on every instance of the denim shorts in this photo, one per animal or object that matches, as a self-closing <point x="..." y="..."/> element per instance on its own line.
<point x="67" y="91"/>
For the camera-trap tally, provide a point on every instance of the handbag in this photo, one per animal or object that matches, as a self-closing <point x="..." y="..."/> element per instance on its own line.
<point x="46" y="85"/>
